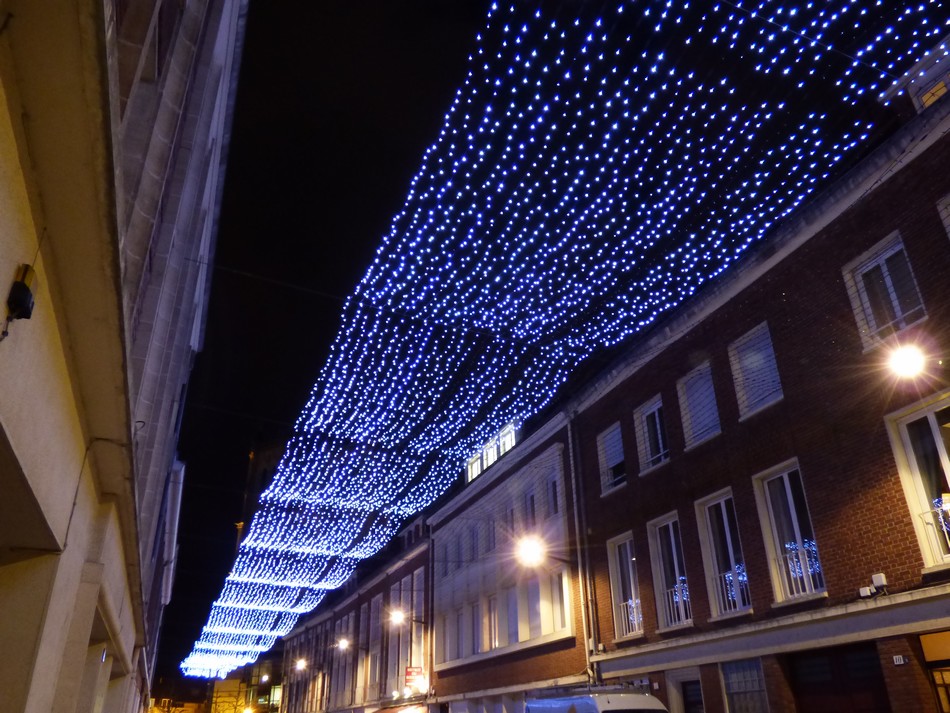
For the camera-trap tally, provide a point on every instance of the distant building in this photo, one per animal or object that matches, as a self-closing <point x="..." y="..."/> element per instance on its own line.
<point x="114" y="132"/>
<point x="747" y="510"/>
<point x="371" y="646"/>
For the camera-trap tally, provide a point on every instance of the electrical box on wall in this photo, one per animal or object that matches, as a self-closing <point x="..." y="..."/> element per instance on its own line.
<point x="20" y="299"/>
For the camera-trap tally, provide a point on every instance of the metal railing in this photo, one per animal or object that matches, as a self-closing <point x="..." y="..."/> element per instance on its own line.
<point x="732" y="591"/>
<point x="676" y="608"/>
<point x="801" y="570"/>
<point x="629" y="618"/>
<point x="937" y="524"/>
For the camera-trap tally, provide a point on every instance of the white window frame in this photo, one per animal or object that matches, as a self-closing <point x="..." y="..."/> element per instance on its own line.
<point x="651" y="411"/>
<point x="696" y="430"/>
<point x="673" y="606"/>
<point x="931" y="523"/>
<point x="872" y="334"/>
<point x="627" y="613"/>
<point x="507" y="438"/>
<point x="489" y="453"/>
<point x="745" y="374"/>
<point x="612" y="474"/>
<point x="728" y="591"/>
<point x="474" y="468"/>
<point x="787" y="587"/>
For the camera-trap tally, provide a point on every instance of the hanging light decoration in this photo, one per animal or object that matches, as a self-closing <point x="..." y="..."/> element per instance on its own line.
<point x="592" y="173"/>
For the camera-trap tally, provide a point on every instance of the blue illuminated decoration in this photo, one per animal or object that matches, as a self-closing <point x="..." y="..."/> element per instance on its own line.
<point x="593" y="172"/>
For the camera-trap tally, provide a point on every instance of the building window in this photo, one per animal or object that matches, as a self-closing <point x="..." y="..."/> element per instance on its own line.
<point x="698" y="405"/>
<point x="530" y="511"/>
<point x="744" y="685"/>
<point x="610" y="454"/>
<point x="924" y="452"/>
<point x="554" y="507"/>
<point x="651" y="434"/>
<point x="669" y="573"/>
<point x="754" y="370"/>
<point x="789" y="538"/>
<point x="490" y="538"/>
<point x="493" y="622"/>
<point x="624" y="590"/>
<point x="511" y="598"/>
<point x="932" y="93"/>
<point x="558" y="603"/>
<point x="473" y="542"/>
<point x="510" y="520"/>
<point x="459" y="633"/>
<point x="489" y="453"/>
<point x="474" y="467"/>
<point x="476" y="628"/>
<point x="883" y="291"/>
<point x="534" y="607"/>
<point x="506" y="439"/>
<point x="943" y="207"/>
<point x="726" y="575"/>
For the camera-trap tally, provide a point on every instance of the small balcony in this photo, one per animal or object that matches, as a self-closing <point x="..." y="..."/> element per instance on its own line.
<point x="629" y="617"/>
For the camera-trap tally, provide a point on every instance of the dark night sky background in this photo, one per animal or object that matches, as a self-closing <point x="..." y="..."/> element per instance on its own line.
<point x="336" y="103"/>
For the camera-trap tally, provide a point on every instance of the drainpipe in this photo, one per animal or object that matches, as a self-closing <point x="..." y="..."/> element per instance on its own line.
<point x="583" y="559"/>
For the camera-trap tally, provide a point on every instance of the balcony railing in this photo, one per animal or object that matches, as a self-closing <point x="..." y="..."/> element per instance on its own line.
<point x="937" y="524"/>
<point x="732" y="590"/>
<point x="676" y="608"/>
<point x="801" y="570"/>
<point x="629" y="618"/>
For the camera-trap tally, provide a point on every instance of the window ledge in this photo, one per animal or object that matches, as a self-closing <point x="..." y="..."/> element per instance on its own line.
<point x="759" y="409"/>
<point x="647" y="471"/>
<point x="704" y="439"/>
<point x="800" y="599"/>
<point x="931" y="569"/>
<point x="731" y="615"/>
<point x="610" y="490"/>
<point x="675" y="627"/>
<point x="628" y="637"/>
<point x="872" y="342"/>
<point x="509" y="648"/>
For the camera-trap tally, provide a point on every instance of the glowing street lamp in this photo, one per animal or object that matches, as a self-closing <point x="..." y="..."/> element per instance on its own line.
<point x="397" y="617"/>
<point x="301" y="664"/>
<point x="530" y="551"/>
<point x="343" y="644"/>
<point x="907" y="361"/>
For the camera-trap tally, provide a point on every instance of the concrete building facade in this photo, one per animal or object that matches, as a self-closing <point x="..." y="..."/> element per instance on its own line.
<point x="114" y="134"/>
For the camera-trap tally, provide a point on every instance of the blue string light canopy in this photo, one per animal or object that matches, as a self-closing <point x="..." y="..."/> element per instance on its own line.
<point x="599" y="165"/>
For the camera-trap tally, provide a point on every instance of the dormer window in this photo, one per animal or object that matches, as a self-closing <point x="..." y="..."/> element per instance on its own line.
<point x="496" y="447"/>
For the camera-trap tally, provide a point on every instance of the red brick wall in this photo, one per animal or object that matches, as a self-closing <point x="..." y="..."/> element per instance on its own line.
<point x="781" y="698"/>
<point x="908" y="685"/>
<point x="831" y="417"/>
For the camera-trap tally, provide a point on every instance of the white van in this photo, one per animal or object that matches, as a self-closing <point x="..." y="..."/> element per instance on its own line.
<point x="604" y="702"/>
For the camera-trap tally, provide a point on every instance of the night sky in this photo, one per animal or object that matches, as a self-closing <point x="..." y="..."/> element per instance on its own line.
<point x="336" y="103"/>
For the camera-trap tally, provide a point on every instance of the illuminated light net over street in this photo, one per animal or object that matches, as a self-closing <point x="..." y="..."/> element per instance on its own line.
<point x="598" y="166"/>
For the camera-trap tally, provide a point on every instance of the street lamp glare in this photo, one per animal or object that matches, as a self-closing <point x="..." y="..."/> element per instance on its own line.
<point x="530" y="551"/>
<point x="397" y="616"/>
<point x="343" y="644"/>
<point x="907" y="361"/>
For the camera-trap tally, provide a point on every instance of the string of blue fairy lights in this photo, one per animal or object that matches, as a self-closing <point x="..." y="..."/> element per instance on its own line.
<point x="595" y="169"/>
